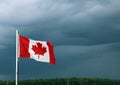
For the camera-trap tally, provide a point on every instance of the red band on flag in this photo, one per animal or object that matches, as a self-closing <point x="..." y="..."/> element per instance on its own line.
<point x="24" y="46"/>
<point x="51" y="52"/>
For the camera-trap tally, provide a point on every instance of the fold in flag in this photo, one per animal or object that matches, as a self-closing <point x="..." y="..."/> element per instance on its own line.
<point x="37" y="50"/>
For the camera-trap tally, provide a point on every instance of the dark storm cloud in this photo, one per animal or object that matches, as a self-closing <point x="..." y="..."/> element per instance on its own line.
<point x="90" y="61"/>
<point x="85" y="34"/>
<point x="81" y="25"/>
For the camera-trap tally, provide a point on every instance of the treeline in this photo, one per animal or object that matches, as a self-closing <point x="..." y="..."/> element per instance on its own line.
<point x="64" y="81"/>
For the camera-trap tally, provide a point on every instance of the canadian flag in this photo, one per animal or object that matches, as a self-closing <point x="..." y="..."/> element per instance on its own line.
<point x="37" y="50"/>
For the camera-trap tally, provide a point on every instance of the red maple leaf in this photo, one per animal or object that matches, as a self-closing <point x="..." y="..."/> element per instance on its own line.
<point x="38" y="49"/>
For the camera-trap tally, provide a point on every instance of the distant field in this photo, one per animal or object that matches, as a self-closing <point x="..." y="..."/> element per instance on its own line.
<point x="64" y="81"/>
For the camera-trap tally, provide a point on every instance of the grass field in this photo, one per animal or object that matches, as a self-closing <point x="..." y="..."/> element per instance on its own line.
<point x="64" y="81"/>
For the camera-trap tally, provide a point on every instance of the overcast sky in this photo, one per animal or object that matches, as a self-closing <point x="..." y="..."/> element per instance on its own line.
<point x="85" y="35"/>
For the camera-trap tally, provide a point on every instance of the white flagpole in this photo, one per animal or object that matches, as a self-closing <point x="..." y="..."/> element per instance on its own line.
<point x="16" y="74"/>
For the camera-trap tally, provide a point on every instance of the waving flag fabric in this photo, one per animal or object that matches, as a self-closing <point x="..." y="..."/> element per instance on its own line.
<point x="37" y="50"/>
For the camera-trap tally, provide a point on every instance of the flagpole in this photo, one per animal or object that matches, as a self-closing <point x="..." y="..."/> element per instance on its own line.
<point x="16" y="74"/>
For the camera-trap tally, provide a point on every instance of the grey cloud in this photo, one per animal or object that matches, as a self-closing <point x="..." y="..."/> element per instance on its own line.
<point x="92" y="58"/>
<point x="34" y="10"/>
<point x="84" y="25"/>
<point x="6" y="35"/>
<point x="3" y="77"/>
